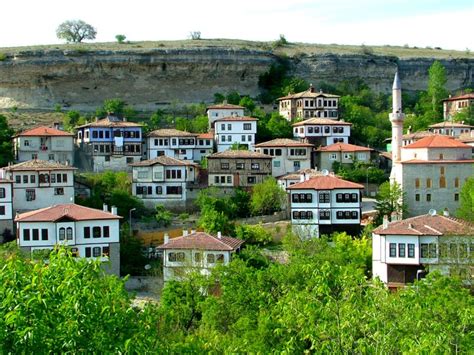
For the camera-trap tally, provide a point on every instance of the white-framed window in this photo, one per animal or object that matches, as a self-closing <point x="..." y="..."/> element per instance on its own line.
<point x="2" y="192"/>
<point x="247" y="126"/>
<point x="361" y="156"/>
<point x="347" y="156"/>
<point x="332" y="156"/>
<point x="276" y="163"/>
<point x="142" y="174"/>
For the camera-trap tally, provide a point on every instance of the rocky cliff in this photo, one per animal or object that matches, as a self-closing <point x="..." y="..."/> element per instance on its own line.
<point x="151" y="78"/>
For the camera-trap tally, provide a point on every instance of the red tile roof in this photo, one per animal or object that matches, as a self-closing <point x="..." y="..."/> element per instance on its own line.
<point x="36" y="165"/>
<point x="170" y="132"/>
<point x="460" y="97"/>
<point x="111" y="121"/>
<point x="44" y="131"/>
<point x="427" y="225"/>
<point x="436" y="141"/>
<point x="298" y="174"/>
<point x="236" y="118"/>
<point x="325" y="182"/>
<point x="322" y="121"/>
<point x="416" y="135"/>
<point x="208" y="135"/>
<point x="283" y="142"/>
<point x="448" y="124"/>
<point x="71" y="211"/>
<point x="164" y="160"/>
<point x="239" y="154"/>
<point x="225" y="106"/>
<point x="310" y="93"/>
<point x="203" y="241"/>
<point x="344" y="147"/>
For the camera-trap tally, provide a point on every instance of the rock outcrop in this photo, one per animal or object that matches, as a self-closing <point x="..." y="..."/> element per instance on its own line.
<point x="149" y="79"/>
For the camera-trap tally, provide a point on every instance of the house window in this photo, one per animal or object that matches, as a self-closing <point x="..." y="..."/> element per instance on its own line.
<point x="222" y="138"/>
<point x="64" y="178"/>
<point x="176" y="257"/>
<point x="240" y="166"/>
<point x="347" y="156"/>
<point x="417" y="197"/>
<point x="211" y="259"/>
<point x="173" y="190"/>
<point x="324" y="197"/>
<point x="277" y="152"/>
<point x="62" y="233"/>
<point x="442" y="170"/>
<point x="428" y="197"/>
<point x="324" y="214"/>
<point x="69" y="233"/>
<point x="35" y="234"/>
<point x="361" y="156"/>
<point x="249" y="138"/>
<point x="96" y="252"/>
<point x="87" y="232"/>
<point x="417" y="183"/>
<point x="158" y="190"/>
<point x="411" y="250"/>
<point x="229" y="138"/>
<point x="229" y="127"/>
<point x="401" y="250"/>
<point x="429" y="250"/>
<point x="276" y="163"/>
<point x="222" y="127"/>
<point x="456" y="182"/>
<point x="197" y="257"/>
<point x="255" y="166"/>
<point x="2" y="210"/>
<point x="44" y="234"/>
<point x="106" y="231"/>
<point x="216" y="179"/>
<point x="393" y="250"/>
<point x="225" y="166"/>
<point x="26" y="143"/>
<point x="18" y="179"/>
<point x="251" y="179"/>
<point x="26" y="234"/>
<point x="59" y="191"/>
<point x="2" y="192"/>
<point x="96" y="232"/>
<point x="50" y="156"/>
<point x="220" y="258"/>
<point x="428" y="183"/>
<point x="88" y="252"/>
<point x="333" y="156"/>
<point x="456" y="197"/>
<point x="30" y="195"/>
<point x="25" y="179"/>
<point x="243" y="138"/>
<point x="442" y="182"/>
<point x="247" y="126"/>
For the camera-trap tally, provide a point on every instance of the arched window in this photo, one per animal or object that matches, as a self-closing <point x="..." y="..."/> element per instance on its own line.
<point x="428" y="183"/>
<point x="69" y="233"/>
<point x="417" y="183"/>
<point x="456" y="182"/>
<point x="442" y="182"/>
<point x="62" y="233"/>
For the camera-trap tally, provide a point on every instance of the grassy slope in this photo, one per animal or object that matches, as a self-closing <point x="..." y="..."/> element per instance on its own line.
<point x="291" y="49"/>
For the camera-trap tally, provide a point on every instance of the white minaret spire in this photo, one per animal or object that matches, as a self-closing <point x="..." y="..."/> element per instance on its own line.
<point x="396" y="118"/>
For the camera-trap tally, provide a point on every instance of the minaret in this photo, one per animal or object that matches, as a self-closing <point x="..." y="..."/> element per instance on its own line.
<point x="396" y="117"/>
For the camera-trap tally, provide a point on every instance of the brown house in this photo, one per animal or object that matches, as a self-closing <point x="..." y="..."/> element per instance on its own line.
<point x="233" y="168"/>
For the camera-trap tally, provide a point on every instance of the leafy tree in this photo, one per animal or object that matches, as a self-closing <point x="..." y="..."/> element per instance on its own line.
<point x="248" y="103"/>
<point x="114" y="106"/>
<point x="163" y="216"/>
<point x="75" y="31"/>
<point x="132" y="260"/>
<point x="120" y="38"/>
<point x="238" y="146"/>
<point x="6" y="145"/>
<point x="466" y="201"/>
<point x="72" y="119"/>
<point x="279" y="127"/>
<point x="436" y="86"/>
<point x="466" y="115"/>
<point x="253" y="234"/>
<point x="390" y="198"/>
<point x="219" y="98"/>
<point x="233" y="97"/>
<point x="267" y="197"/>
<point x="213" y="221"/>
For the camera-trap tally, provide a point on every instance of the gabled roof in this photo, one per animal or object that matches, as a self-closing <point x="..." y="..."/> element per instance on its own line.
<point x="325" y="182"/>
<point x="416" y="135"/>
<point x="298" y="174"/>
<point x="171" y="132"/>
<point x="37" y="164"/>
<point x="461" y="97"/>
<point x="344" y="147"/>
<point x="236" y="118"/>
<point x="283" y="142"/>
<point x="43" y="131"/>
<point x="436" y="141"/>
<point x="427" y="225"/>
<point x="236" y="154"/>
<point x="321" y="121"/>
<point x="224" y="106"/>
<point x="164" y="160"/>
<point x="447" y="124"/>
<point x="112" y="122"/>
<point x="207" y="135"/>
<point x="310" y="93"/>
<point x="70" y="211"/>
<point x="203" y="241"/>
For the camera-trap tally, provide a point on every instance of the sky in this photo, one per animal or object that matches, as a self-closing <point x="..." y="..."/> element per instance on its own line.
<point x="435" y="23"/>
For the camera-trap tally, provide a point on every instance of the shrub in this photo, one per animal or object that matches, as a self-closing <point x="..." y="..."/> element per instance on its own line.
<point x="120" y="38"/>
<point x="253" y="234"/>
<point x="3" y="57"/>
<point x="163" y="216"/>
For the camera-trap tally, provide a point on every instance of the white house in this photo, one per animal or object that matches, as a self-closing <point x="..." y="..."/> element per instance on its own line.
<point x="172" y="143"/>
<point x="44" y="143"/>
<point x="288" y="155"/>
<point x="322" y="131"/>
<point x="89" y="233"/>
<point x="448" y="128"/>
<point x="6" y="207"/>
<point x="342" y="153"/>
<point x="163" y="179"/>
<point x="404" y="249"/>
<point x="39" y="183"/>
<point x="235" y="130"/>
<point x="325" y="204"/>
<point x="204" y="145"/>
<point x="222" y="110"/>
<point x="298" y="176"/>
<point x="197" y="251"/>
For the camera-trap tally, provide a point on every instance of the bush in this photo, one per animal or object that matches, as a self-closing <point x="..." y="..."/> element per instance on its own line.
<point x="120" y="38"/>
<point x="267" y="197"/>
<point x="3" y="57"/>
<point x="253" y="234"/>
<point x="195" y="35"/>
<point x="163" y="216"/>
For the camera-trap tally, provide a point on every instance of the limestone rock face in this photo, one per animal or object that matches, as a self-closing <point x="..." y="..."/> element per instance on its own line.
<point x="149" y="79"/>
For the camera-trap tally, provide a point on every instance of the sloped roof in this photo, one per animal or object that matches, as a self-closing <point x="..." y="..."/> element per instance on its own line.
<point x="224" y="106"/>
<point x="416" y="135"/>
<point x="310" y="93"/>
<point x="37" y="164"/>
<point x="297" y="174"/>
<point x="447" y="124"/>
<point x="461" y="97"/>
<point x="207" y="135"/>
<point x="164" y="160"/>
<point x="111" y="121"/>
<point x="344" y="147"/>
<point x="247" y="154"/>
<point x="236" y="118"/>
<point x="321" y="121"/>
<point x="203" y="241"/>
<point x="436" y="141"/>
<point x="427" y="225"/>
<point x="44" y="131"/>
<point x="71" y="211"/>
<point x="283" y="142"/>
<point x="325" y="182"/>
<point x="171" y="132"/>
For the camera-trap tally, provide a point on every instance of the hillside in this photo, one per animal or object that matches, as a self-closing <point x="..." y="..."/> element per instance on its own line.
<point x="151" y="75"/>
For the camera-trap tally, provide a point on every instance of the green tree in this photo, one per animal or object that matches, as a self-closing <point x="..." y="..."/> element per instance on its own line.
<point x="213" y="221"/>
<point x="114" y="106"/>
<point x="390" y="198"/>
<point x="163" y="216"/>
<point x="6" y="145"/>
<point x="466" y="201"/>
<point x="253" y="234"/>
<point x="267" y="197"/>
<point x="233" y="97"/>
<point x="279" y="127"/>
<point x="75" y="31"/>
<point x="248" y="103"/>
<point x="437" y="87"/>
<point x="120" y="38"/>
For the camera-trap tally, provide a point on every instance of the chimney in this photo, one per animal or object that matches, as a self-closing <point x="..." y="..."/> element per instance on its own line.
<point x="306" y="176"/>
<point x="219" y="235"/>
<point x="166" y="238"/>
<point x="124" y="119"/>
<point x="385" y="222"/>
<point x="311" y="88"/>
<point x="185" y="232"/>
<point x="114" y="210"/>
<point x="105" y="208"/>
<point x="409" y="130"/>
<point x="302" y="178"/>
<point x="446" y="212"/>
